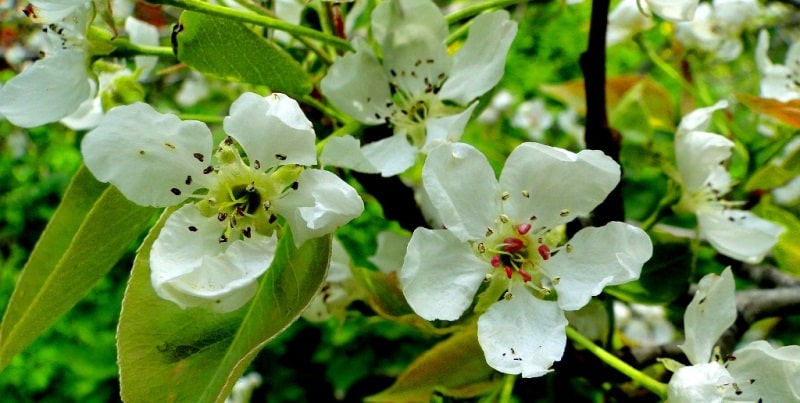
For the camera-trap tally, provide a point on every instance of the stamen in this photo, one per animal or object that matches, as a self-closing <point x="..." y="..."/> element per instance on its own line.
<point x="495" y="261"/>
<point x="513" y="244"/>
<point x="175" y="191"/>
<point x="544" y="251"/>
<point x="525" y="276"/>
<point x="199" y="156"/>
<point x="564" y="213"/>
<point x="523" y="229"/>
<point x="505" y="196"/>
<point x="509" y="271"/>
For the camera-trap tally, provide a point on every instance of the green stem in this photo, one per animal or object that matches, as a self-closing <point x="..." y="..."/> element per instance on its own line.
<point x="666" y="68"/>
<point x="328" y="111"/>
<point x="458" y="33"/>
<point x="125" y="48"/>
<point x="213" y="119"/>
<point x="349" y="128"/>
<point x="508" y="388"/>
<point x="467" y="12"/>
<point x="260" y="20"/>
<point x="651" y="384"/>
<point x="664" y="206"/>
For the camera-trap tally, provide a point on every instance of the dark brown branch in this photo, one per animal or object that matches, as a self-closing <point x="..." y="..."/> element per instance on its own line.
<point x="599" y="135"/>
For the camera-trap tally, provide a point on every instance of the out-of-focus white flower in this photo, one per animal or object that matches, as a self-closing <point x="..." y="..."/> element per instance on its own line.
<point x="391" y="251"/>
<point x="625" y="21"/>
<point x="700" y="157"/>
<point x="500" y="103"/>
<point x="507" y="231"/>
<point x="717" y="27"/>
<point x="338" y="290"/>
<point x="142" y="33"/>
<point x="243" y="388"/>
<point x="757" y="372"/>
<point x="789" y="193"/>
<point x="210" y="253"/>
<point x="532" y="117"/>
<point x="644" y="325"/>
<point x="568" y="122"/>
<point x="778" y="81"/>
<point x="425" y="94"/>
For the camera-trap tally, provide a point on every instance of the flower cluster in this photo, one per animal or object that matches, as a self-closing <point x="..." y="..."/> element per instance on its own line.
<point x="210" y="252"/>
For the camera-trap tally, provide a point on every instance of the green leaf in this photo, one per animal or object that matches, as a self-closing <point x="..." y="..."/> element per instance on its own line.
<point x="455" y="367"/>
<point x="787" y="250"/>
<point x="90" y="230"/>
<point x="664" y="277"/>
<point x="231" y="51"/>
<point x="771" y="176"/>
<point x="170" y="354"/>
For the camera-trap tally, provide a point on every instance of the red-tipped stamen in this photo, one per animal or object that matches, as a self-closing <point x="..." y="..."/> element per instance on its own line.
<point x="544" y="251"/>
<point x="523" y="228"/>
<point x="525" y="276"/>
<point x="509" y="271"/>
<point x="495" y="261"/>
<point x="513" y="244"/>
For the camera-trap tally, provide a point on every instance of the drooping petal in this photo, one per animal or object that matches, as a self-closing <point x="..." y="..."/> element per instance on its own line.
<point x="392" y="155"/>
<point x="272" y="129"/>
<point x="523" y="335"/>
<point x="190" y="267"/>
<point x="389" y="15"/>
<point x="321" y="203"/>
<point x="739" y="234"/>
<point x="699" y="156"/>
<point x="391" y="251"/>
<point x="597" y="257"/>
<point x="154" y="159"/>
<point x="712" y="310"/>
<point x="562" y="185"/>
<point x="142" y="33"/>
<point x="767" y="374"/>
<point x="440" y="274"/>
<point x="449" y="128"/>
<point x="699" y="119"/>
<point x="479" y="63"/>
<point x="699" y="383"/>
<point x="89" y="112"/>
<point x="776" y="79"/>
<point x="462" y="186"/>
<point x="346" y="152"/>
<point x="673" y="10"/>
<point x="48" y="90"/>
<point x="357" y="84"/>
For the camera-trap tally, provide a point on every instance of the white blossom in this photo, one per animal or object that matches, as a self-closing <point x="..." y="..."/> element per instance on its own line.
<point x="717" y="27"/>
<point x="338" y="290"/>
<point x="700" y="157"/>
<point x="211" y="252"/>
<point x="507" y="231"/>
<point x="630" y="17"/>
<point x="756" y="372"/>
<point x="424" y="93"/>
<point x="778" y="81"/>
<point x="532" y="117"/>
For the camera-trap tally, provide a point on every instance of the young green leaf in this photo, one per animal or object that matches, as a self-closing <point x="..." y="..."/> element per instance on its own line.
<point x="167" y="353"/>
<point x="231" y="51"/>
<point x="91" y="229"/>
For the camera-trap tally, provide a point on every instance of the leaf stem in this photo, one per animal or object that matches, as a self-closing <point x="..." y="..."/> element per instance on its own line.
<point x="260" y="20"/>
<point x="126" y="48"/>
<point x="664" y="205"/>
<point x="651" y="384"/>
<point x="348" y="128"/>
<point x="467" y="12"/>
<point x="508" y="388"/>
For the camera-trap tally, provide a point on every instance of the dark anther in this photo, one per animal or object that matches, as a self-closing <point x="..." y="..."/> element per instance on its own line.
<point x="272" y="218"/>
<point x="188" y="180"/>
<point x="295" y="185"/>
<point x="257" y="164"/>
<point x="223" y="239"/>
<point x="222" y="216"/>
<point x="239" y="211"/>
<point x="394" y="73"/>
<point x="208" y="170"/>
<point x="228" y="140"/>
<point x="175" y="191"/>
<point x="280" y="157"/>
<point x="246" y="232"/>
<point x="192" y="228"/>
<point x="199" y="156"/>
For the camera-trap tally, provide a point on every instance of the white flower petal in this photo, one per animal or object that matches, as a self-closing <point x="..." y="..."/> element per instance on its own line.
<point x="272" y="129"/>
<point x="142" y="33"/>
<point x="776" y="80"/>
<point x="673" y="10"/>
<point x="699" y="156"/>
<point x="392" y="155"/>
<point x="48" y="90"/>
<point x="389" y="15"/>
<point x="562" y="185"/>
<point x="446" y="129"/>
<point x="479" y="63"/>
<point x="608" y="255"/>
<point x="767" y="374"/>
<point x="48" y="11"/>
<point x="321" y="203"/>
<point x="739" y="234"/>
<point x="357" y="84"/>
<point x="440" y="274"/>
<point x="154" y="159"/>
<point x="345" y="152"/>
<point x="523" y="335"/>
<point x="699" y="119"/>
<point x="189" y="266"/>
<point x="462" y="186"/>
<point x="705" y="383"/>
<point x="625" y="20"/>
<point x="414" y="58"/>
<point x="89" y="112"/>
<point x="391" y="251"/>
<point x="711" y="312"/>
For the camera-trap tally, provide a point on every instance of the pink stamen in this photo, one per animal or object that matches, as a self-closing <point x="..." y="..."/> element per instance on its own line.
<point x="509" y="271"/>
<point x="495" y="261"/>
<point x="544" y="251"/>
<point x="513" y="244"/>
<point x="525" y="276"/>
<point x="523" y="228"/>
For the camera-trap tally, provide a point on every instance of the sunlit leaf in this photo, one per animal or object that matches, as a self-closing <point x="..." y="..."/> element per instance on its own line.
<point x="170" y="354"/>
<point x="787" y="251"/>
<point x="771" y="176"/>
<point x="787" y="112"/>
<point x="229" y="50"/>
<point x="455" y="367"/>
<point x="572" y="92"/>
<point x="91" y="229"/>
